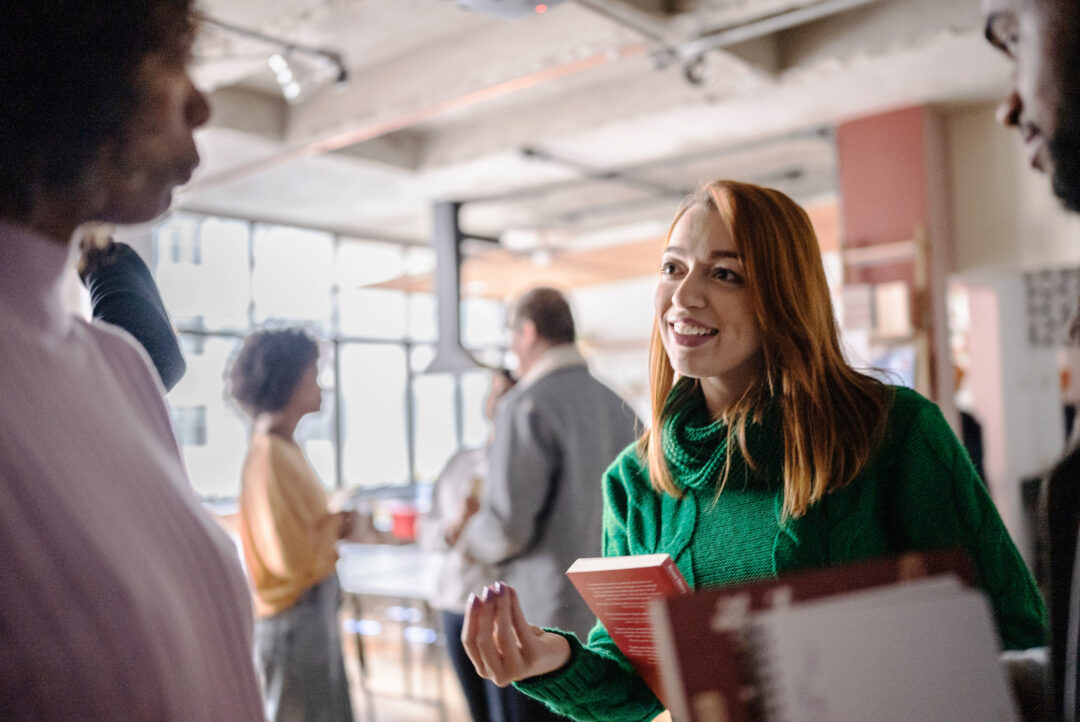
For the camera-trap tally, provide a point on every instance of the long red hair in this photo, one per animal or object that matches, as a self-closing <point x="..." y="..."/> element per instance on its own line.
<point x="832" y="416"/>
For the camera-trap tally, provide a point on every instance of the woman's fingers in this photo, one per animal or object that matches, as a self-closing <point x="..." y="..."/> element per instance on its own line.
<point x="542" y="652"/>
<point x="501" y="643"/>
<point x="477" y="635"/>
<point x="506" y="638"/>
<point x="522" y="627"/>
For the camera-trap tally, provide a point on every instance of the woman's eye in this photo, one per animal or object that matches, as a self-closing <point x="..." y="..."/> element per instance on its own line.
<point x="726" y="274"/>
<point x="667" y="268"/>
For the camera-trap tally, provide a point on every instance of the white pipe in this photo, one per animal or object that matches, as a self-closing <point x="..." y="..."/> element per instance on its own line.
<point x="765" y="26"/>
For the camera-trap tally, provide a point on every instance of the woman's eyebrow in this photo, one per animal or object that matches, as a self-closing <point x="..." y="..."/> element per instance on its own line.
<point x="679" y="251"/>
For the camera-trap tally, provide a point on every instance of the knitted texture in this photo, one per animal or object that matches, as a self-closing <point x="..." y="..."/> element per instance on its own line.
<point x="737" y="518"/>
<point x="918" y="492"/>
<point x="695" y="445"/>
<point x="739" y="523"/>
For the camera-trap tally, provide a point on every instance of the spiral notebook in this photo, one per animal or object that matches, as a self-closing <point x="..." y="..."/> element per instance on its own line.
<point x="923" y="651"/>
<point x="701" y="641"/>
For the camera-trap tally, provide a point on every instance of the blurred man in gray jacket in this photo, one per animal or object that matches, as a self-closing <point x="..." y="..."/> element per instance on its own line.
<point x="555" y="434"/>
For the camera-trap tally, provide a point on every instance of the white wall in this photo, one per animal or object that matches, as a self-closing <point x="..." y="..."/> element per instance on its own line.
<point x="140" y="238"/>
<point x="614" y="321"/>
<point x="1015" y="396"/>
<point x="1004" y="213"/>
<point x="1005" y="222"/>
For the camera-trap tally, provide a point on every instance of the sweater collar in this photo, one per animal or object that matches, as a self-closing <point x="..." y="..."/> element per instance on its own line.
<point x="696" y="446"/>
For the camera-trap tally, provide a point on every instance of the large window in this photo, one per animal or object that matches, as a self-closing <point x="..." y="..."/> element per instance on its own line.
<point x="384" y="423"/>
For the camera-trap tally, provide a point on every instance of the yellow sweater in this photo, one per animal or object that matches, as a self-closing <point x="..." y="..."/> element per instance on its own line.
<point x="286" y="531"/>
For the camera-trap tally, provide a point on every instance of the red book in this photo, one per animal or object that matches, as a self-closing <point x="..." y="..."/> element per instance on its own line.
<point x="706" y="665"/>
<point x="618" y="591"/>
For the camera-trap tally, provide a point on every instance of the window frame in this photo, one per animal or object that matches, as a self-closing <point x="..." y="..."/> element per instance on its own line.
<point x="198" y="333"/>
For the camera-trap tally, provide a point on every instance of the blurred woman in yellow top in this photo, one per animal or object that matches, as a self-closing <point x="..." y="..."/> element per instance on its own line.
<point x="288" y="534"/>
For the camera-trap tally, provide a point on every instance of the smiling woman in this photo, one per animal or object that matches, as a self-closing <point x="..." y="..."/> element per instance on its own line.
<point x="704" y="311"/>
<point x="767" y="454"/>
<point x="742" y="266"/>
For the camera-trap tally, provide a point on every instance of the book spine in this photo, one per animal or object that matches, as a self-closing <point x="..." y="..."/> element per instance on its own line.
<point x="671" y="677"/>
<point x="672" y="570"/>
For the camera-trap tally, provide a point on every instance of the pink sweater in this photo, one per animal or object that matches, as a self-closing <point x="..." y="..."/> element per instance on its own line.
<point x="119" y="596"/>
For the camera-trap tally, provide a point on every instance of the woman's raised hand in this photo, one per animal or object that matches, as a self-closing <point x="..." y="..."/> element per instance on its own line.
<point x="501" y="643"/>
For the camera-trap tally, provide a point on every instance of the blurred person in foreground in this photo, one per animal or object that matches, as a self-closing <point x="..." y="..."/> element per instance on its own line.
<point x="542" y="507"/>
<point x="1042" y="40"/>
<point x="288" y="534"/>
<point x="455" y="498"/>
<point x="122" y="597"/>
<point x="767" y="454"/>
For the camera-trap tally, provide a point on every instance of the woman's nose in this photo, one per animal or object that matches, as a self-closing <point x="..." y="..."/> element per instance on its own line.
<point x="688" y="293"/>
<point x="198" y="108"/>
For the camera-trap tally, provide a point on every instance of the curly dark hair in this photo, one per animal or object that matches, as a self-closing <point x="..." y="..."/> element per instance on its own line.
<point x="68" y="87"/>
<point x="268" y="367"/>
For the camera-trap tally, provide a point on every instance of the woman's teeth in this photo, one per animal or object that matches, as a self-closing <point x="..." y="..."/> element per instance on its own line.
<point x="687" y="329"/>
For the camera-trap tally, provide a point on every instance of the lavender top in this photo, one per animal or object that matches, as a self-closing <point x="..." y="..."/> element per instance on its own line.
<point x="119" y="596"/>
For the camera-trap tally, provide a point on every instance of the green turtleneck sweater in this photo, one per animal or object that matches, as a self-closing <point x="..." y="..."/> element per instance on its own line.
<point x="918" y="492"/>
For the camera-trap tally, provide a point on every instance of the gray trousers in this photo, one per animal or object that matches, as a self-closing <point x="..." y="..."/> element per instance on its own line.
<point x="298" y="654"/>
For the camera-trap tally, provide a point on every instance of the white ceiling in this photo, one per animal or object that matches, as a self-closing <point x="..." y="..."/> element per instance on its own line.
<point x="442" y="102"/>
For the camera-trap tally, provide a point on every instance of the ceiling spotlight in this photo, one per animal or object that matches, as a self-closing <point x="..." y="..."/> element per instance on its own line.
<point x="300" y="76"/>
<point x="299" y="69"/>
<point x="285" y="77"/>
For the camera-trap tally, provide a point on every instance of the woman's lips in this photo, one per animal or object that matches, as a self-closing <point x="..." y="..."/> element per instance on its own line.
<point x="691" y="340"/>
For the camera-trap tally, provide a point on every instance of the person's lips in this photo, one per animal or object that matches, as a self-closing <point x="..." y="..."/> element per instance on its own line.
<point x="690" y="333"/>
<point x="188" y="166"/>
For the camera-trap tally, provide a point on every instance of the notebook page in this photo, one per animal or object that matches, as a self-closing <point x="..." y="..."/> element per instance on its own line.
<point x="923" y="657"/>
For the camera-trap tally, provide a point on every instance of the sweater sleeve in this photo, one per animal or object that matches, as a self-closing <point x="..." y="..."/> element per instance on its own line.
<point x="123" y="293"/>
<point x="599" y="683"/>
<point x="946" y="505"/>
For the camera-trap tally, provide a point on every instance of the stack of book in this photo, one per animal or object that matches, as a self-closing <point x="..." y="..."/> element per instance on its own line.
<point x="901" y="638"/>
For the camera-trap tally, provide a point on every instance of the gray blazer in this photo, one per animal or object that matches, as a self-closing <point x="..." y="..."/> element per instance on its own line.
<point x="543" y="500"/>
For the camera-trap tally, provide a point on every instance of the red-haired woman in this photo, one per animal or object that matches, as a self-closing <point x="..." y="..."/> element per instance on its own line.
<point x="767" y="454"/>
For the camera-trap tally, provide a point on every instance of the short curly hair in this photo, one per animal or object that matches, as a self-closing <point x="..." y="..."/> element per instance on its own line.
<point x="68" y="70"/>
<point x="268" y="367"/>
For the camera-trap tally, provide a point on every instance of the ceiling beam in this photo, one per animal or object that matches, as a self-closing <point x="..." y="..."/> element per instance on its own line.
<point x="404" y="93"/>
<point x="443" y="82"/>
